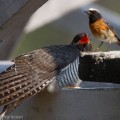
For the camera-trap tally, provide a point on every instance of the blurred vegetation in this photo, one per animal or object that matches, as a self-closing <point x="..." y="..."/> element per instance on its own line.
<point x="111" y="4"/>
<point x="50" y="35"/>
<point x="47" y="35"/>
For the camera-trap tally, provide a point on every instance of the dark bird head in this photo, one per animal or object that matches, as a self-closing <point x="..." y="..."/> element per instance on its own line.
<point x="82" y="40"/>
<point x="93" y="14"/>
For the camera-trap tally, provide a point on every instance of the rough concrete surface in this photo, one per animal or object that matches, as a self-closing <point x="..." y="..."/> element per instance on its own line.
<point x="72" y="105"/>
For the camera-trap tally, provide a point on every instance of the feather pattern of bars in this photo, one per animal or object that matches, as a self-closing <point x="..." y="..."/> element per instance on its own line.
<point x="69" y="75"/>
<point x="34" y="71"/>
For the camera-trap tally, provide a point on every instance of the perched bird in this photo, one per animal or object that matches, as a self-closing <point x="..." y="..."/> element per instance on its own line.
<point x="101" y="28"/>
<point x="50" y="67"/>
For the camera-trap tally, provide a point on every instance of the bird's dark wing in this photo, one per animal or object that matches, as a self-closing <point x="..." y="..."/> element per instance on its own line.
<point x="112" y="29"/>
<point x="34" y="71"/>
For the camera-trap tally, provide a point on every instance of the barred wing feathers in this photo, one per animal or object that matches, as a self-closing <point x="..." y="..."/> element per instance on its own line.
<point x="33" y="71"/>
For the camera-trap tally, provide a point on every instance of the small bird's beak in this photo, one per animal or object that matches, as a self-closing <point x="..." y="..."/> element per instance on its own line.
<point x="87" y="12"/>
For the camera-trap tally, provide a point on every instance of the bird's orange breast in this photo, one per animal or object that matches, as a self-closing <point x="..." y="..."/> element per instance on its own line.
<point x="97" y="26"/>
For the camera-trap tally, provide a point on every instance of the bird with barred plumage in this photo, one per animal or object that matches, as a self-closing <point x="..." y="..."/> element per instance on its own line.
<point x="52" y="67"/>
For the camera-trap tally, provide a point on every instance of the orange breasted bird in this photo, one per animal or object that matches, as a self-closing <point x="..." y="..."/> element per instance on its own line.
<point x="51" y="68"/>
<point x="101" y="28"/>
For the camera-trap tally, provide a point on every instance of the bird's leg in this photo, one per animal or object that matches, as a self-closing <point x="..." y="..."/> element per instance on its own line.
<point x="99" y="45"/>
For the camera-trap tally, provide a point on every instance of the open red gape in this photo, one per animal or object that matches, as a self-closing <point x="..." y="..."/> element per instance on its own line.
<point x="85" y="40"/>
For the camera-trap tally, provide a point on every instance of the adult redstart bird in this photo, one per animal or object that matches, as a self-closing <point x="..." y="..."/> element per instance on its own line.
<point x="101" y="28"/>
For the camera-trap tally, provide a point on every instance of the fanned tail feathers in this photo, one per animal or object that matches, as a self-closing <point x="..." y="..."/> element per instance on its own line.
<point x="23" y="79"/>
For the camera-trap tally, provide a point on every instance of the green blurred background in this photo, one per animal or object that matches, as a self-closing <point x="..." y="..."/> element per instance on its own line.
<point x="47" y="35"/>
<point x="55" y="32"/>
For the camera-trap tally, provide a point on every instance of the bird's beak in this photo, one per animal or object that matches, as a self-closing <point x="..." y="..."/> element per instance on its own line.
<point x="87" y="12"/>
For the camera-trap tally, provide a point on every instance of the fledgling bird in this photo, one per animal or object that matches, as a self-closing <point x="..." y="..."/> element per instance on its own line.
<point x="101" y="28"/>
<point x="52" y="67"/>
